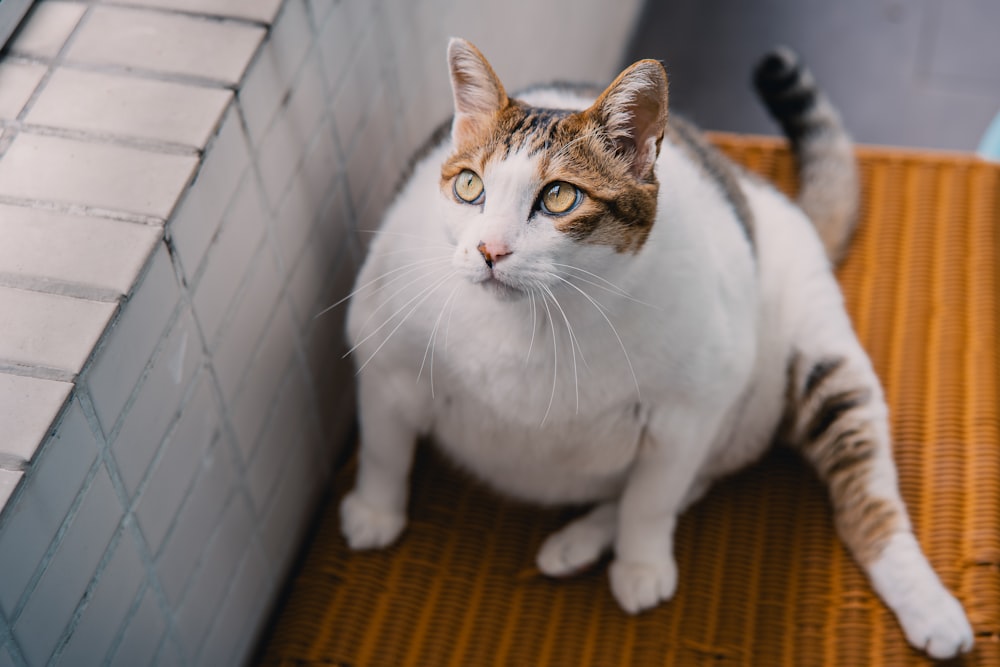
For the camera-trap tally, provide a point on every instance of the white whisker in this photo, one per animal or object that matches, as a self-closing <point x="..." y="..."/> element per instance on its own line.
<point x="534" y="324"/>
<point x="447" y="326"/>
<point x="433" y="338"/>
<point x="624" y="296"/>
<point x="593" y="275"/>
<point x="389" y="319"/>
<point x="555" y="358"/>
<point x="573" y="345"/>
<point x="613" y="329"/>
<point x="375" y="280"/>
<point x="407" y="285"/>
<point x="426" y="293"/>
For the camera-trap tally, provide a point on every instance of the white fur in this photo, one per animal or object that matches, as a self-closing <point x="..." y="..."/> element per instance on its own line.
<point x="676" y="379"/>
<point x="932" y="619"/>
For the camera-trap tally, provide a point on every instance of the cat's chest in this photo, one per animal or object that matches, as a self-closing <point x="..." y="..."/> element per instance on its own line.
<point x="536" y="447"/>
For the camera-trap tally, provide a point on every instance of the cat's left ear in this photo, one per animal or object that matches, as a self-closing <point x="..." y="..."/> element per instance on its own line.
<point x="633" y="110"/>
<point x="477" y="90"/>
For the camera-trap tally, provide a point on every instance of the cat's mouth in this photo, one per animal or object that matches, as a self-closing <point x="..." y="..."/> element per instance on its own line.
<point x="500" y="289"/>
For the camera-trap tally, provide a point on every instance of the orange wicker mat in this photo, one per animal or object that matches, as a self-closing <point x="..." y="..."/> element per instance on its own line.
<point x="763" y="579"/>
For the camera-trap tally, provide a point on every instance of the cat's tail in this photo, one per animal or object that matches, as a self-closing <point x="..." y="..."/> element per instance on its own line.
<point x="828" y="173"/>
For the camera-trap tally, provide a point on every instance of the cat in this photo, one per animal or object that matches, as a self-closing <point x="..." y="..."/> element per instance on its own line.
<point x="580" y="301"/>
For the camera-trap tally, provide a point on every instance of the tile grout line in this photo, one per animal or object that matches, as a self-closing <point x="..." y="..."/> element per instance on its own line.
<point x="57" y="539"/>
<point x="83" y="210"/>
<point x="64" y="288"/>
<point x="129" y="521"/>
<point x="94" y="581"/>
<point x="203" y="16"/>
<point x="8" y="137"/>
<point x="109" y="139"/>
<point x="133" y="72"/>
<point x="37" y="372"/>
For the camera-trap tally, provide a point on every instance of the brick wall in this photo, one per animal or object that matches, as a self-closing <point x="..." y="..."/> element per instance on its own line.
<point x="182" y="185"/>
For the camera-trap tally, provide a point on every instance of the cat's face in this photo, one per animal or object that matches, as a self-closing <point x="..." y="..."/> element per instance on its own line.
<point x="529" y="191"/>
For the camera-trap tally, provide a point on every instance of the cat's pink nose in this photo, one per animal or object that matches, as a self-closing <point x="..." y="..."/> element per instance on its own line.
<point x="492" y="252"/>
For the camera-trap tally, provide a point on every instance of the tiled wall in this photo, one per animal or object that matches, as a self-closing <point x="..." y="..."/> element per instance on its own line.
<point x="182" y="185"/>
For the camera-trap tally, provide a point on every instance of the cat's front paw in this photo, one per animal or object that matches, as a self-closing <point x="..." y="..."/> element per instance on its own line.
<point x="934" y="622"/>
<point x="639" y="586"/>
<point x="367" y="527"/>
<point x="572" y="549"/>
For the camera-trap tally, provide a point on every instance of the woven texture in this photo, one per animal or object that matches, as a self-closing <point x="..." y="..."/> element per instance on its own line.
<point x="763" y="578"/>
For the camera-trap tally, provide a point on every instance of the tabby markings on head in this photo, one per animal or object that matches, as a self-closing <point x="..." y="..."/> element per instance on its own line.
<point x="615" y="209"/>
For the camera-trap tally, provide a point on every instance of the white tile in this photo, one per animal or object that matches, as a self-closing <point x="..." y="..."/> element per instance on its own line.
<point x="245" y="326"/>
<point x="281" y="439"/>
<point x="292" y="223"/>
<point x="308" y="280"/>
<point x="47" y="28"/>
<point x="170" y="656"/>
<point x="206" y="592"/>
<point x="376" y="196"/>
<point x="261" y="93"/>
<point x="179" y="461"/>
<point x="366" y="158"/>
<point x="229" y="257"/>
<point x="158" y="401"/>
<point x="48" y="330"/>
<point x="307" y="103"/>
<point x="289" y="511"/>
<point x="108" y="607"/>
<point x="279" y="156"/>
<point x="239" y="618"/>
<point x="336" y="222"/>
<point x="142" y="635"/>
<point x="72" y="567"/>
<point x="320" y="10"/>
<point x="27" y="408"/>
<point x="99" y="175"/>
<point x="130" y="343"/>
<point x="269" y="365"/>
<point x="262" y="11"/>
<point x="32" y="523"/>
<point x="339" y="41"/>
<point x="352" y="109"/>
<point x="170" y="43"/>
<point x="291" y="37"/>
<point x="332" y="373"/>
<point x="17" y="82"/>
<point x="70" y="254"/>
<point x="320" y="166"/>
<point x="196" y="520"/>
<point x="200" y="212"/>
<point x="8" y="482"/>
<point x="129" y="106"/>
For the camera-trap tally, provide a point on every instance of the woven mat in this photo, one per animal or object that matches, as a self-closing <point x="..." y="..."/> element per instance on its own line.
<point x="763" y="578"/>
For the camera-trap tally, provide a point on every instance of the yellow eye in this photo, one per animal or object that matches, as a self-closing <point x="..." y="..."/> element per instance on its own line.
<point x="468" y="186"/>
<point x="560" y="197"/>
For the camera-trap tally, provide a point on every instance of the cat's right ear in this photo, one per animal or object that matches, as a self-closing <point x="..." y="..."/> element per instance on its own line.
<point x="477" y="90"/>
<point x="633" y="111"/>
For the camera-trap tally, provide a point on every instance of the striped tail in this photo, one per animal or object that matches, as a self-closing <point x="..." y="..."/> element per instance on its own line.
<point x="828" y="173"/>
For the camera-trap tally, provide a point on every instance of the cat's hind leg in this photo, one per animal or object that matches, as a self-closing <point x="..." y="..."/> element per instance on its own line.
<point x="837" y="418"/>
<point x="580" y="543"/>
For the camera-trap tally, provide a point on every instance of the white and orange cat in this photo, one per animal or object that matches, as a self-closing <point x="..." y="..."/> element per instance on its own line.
<point x="580" y="301"/>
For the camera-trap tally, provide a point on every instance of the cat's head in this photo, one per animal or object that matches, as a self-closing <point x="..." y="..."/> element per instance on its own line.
<point x="529" y="189"/>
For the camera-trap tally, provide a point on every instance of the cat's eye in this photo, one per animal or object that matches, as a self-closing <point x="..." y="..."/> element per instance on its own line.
<point x="468" y="186"/>
<point x="559" y="198"/>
